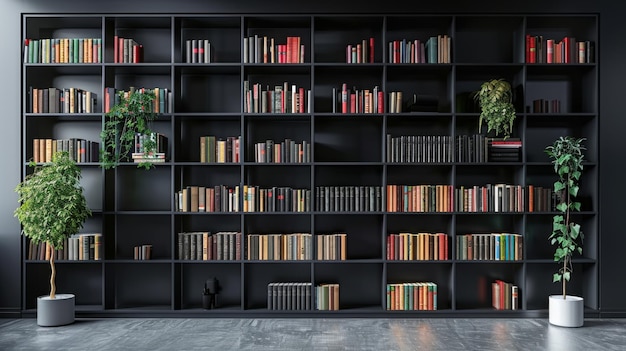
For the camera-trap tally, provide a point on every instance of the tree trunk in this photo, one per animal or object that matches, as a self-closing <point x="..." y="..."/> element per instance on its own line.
<point x="53" y="273"/>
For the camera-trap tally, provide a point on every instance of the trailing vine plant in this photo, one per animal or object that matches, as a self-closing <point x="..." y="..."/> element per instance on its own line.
<point x="496" y="103"/>
<point x="567" y="156"/>
<point x="129" y="117"/>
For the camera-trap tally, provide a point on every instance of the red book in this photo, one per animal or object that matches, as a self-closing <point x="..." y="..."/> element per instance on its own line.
<point x="344" y="98"/>
<point x="283" y="53"/>
<point x="381" y="102"/>
<point x="532" y="50"/>
<point x="120" y="50"/>
<point x="349" y="54"/>
<point x="115" y="49"/>
<point x="550" y="51"/>
<point x="137" y="53"/>
<point x="371" y="50"/>
<point x="106" y="100"/>
<point x="352" y="102"/>
<point x="502" y="293"/>
<point x="566" y="50"/>
<point x="301" y="100"/>
<point x="396" y="51"/>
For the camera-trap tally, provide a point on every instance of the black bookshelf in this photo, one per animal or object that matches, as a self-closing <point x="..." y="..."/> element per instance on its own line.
<point x="134" y="206"/>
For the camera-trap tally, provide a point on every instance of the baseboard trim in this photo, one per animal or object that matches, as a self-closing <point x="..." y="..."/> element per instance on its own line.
<point x="10" y="313"/>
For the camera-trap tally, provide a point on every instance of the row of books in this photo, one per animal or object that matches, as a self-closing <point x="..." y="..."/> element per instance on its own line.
<point x="353" y="100"/>
<point x="79" y="150"/>
<point x="332" y="247"/>
<point x="214" y="149"/>
<point x="417" y="246"/>
<point x="406" y="51"/>
<point x="285" y="98"/>
<point x="263" y="49"/>
<point x="348" y="198"/>
<point x="362" y="52"/>
<point x="198" y="51"/>
<point x="287" y="151"/>
<point x="508" y="150"/>
<point x="142" y="252"/>
<point x="412" y="296"/>
<point x="435" y="49"/>
<point x="162" y="102"/>
<point x="420" y="198"/>
<point x="420" y="148"/>
<point x="263" y="247"/>
<point x="63" y="50"/>
<point x="504" y="295"/>
<point x="56" y="100"/>
<point x="400" y="198"/>
<point x="546" y="106"/>
<point x="218" y="198"/>
<point x="126" y="50"/>
<point x="327" y="297"/>
<point x="150" y="148"/>
<point x="474" y="148"/>
<point x="293" y="246"/>
<point x="504" y="198"/>
<point x="78" y="247"/>
<point x="489" y="247"/>
<point x="566" y="50"/>
<point x="275" y="199"/>
<point x="153" y="142"/>
<point x="207" y="246"/>
<point x="289" y="296"/>
<point x="223" y="198"/>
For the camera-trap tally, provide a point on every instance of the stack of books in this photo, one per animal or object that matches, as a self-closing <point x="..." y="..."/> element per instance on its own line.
<point x="504" y="150"/>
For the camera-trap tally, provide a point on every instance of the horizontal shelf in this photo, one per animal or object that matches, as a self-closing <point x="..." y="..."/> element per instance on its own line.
<point x="551" y="261"/>
<point x="208" y="115"/>
<point x="152" y="261"/>
<point x="277" y="164"/>
<point x="56" y="261"/>
<point x="86" y="117"/>
<point x="209" y="164"/>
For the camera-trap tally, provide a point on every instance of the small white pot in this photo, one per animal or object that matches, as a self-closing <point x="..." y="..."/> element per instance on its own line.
<point x="568" y="312"/>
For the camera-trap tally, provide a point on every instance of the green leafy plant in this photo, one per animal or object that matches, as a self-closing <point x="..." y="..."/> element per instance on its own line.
<point x="52" y="205"/>
<point x="496" y="103"/>
<point x="567" y="156"/>
<point x="126" y="119"/>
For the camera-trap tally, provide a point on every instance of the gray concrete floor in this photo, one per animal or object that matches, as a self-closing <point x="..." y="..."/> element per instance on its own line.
<point x="312" y="334"/>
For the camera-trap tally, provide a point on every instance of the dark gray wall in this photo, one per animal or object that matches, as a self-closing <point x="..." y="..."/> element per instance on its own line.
<point x="612" y="120"/>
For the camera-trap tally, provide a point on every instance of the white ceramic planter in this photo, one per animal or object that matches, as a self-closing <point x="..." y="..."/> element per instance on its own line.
<point x="568" y="312"/>
<point x="55" y="312"/>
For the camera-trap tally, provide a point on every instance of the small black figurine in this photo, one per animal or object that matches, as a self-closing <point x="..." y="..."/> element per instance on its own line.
<point x="209" y="294"/>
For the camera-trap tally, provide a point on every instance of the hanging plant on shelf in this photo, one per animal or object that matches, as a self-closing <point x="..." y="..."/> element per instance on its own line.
<point x="496" y="103"/>
<point x="130" y="117"/>
<point x="567" y="156"/>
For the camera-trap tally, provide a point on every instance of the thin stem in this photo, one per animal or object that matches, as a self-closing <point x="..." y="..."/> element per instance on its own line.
<point x="53" y="273"/>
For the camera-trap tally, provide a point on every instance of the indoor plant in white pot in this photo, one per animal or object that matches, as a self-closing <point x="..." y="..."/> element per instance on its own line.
<point x="53" y="208"/>
<point x="567" y="156"/>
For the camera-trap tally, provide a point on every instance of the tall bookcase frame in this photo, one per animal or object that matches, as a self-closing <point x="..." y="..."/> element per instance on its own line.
<point x="134" y="207"/>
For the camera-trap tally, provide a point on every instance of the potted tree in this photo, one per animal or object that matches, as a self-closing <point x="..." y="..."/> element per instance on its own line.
<point x="567" y="156"/>
<point x="495" y="98"/>
<point x="52" y="208"/>
<point x="128" y="118"/>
